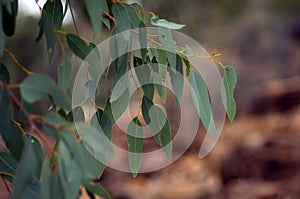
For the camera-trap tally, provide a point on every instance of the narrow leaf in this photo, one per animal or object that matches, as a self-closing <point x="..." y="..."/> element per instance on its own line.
<point x="78" y="46"/>
<point x="201" y="102"/>
<point x="135" y="139"/>
<point x="228" y="86"/>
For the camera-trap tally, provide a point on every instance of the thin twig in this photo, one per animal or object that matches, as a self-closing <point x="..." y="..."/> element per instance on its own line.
<point x="5" y="184"/>
<point x="13" y="57"/>
<point x="33" y="127"/>
<point x="73" y="18"/>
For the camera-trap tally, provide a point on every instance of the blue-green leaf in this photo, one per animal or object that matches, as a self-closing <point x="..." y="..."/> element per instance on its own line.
<point x="155" y="21"/>
<point x="8" y="165"/>
<point x="64" y="75"/>
<point x="94" y="8"/>
<point x="135" y="140"/>
<point x="97" y="189"/>
<point x="27" y="163"/>
<point x="159" y="125"/>
<point x="227" y="91"/>
<point x="177" y="79"/>
<point x="202" y="103"/>
<point x="78" y="46"/>
<point x="168" y="45"/>
<point x="33" y="90"/>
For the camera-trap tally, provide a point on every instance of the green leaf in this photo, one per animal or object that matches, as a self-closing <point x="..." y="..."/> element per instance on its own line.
<point x="94" y="8"/>
<point x="25" y="171"/>
<point x="9" y="13"/>
<point x="159" y="125"/>
<point x="141" y="13"/>
<point x="135" y="139"/>
<point x="104" y="122"/>
<point x="97" y="189"/>
<point x="155" y="21"/>
<point x="187" y="65"/>
<point x="38" y="152"/>
<point x="126" y="17"/>
<point x="227" y="91"/>
<point x="143" y="40"/>
<point x="9" y="131"/>
<point x="96" y="143"/>
<point x="119" y="106"/>
<point x="8" y="165"/>
<point x="160" y="86"/>
<point x="143" y="73"/>
<point x="121" y="16"/>
<point x="33" y="90"/>
<point x="45" y="192"/>
<point x="47" y="27"/>
<point x="55" y="10"/>
<point x="64" y="75"/>
<point x="202" y="103"/>
<point x="168" y="45"/>
<point x="177" y="78"/>
<point x="120" y="87"/>
<point x="4" y="74"/>
<point x="53" y="119"/>
<point x="69" y="171"/>
<point x="78" y="46"/>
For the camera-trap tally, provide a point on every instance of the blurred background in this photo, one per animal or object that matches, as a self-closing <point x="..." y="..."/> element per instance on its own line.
<point x="258" y="156"/>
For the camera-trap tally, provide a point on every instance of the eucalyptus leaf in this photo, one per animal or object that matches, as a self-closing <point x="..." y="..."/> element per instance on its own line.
<point x="227" y="91"/>
<point x="202" y="102"/>
<point x="32" y="90"/>
<point x="135" y="140"/>
<point x="155" y="21"/>
<point x="78" y="46"/>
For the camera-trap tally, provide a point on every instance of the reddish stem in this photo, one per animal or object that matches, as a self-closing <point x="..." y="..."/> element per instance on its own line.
<point x="73" y="18"/>
<point x="5" y="184"/>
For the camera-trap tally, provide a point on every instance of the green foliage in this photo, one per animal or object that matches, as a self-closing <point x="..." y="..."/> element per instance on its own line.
<point x="82" y="142"/>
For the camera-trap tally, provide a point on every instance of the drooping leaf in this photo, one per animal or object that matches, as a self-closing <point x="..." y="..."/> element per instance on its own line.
<point x="161" y="128"/>
<point x="119" y="106"/>
<point x="9" y="15"/>
<point x="8" y="165"/>
<point x="140" y="11"/>
<point x="45" y="192"/>
<point x="4" y="74"/>
<point x="55" y="10"/>
<point x="64" y="75"/>
<point x="94" y="8"/>
<point x="126" y="17"/>
<point x="33" y="90"/>
<point x="201" y="102"/>
<point x="48" y="27"/>
<point x="78" y="46"/>
<point x="96" y="143"/>
<point x="177" y="78"/>
<point x="97" y="189"/>
<point x="143" y="40"/>
<point x="38" y="153"/>
<point x="168" y="45"/>
<point x="69" y="171"/>
<point x="135" y="140"/>
<point x="27" y="163"/>
<point x="143" y="73"/>
<point x="155" y="21"/>
<point x="120" y="87"/>
<point x="227" y="91"/>
<point x="158" y="124"/>
<point x="10" y="133"/>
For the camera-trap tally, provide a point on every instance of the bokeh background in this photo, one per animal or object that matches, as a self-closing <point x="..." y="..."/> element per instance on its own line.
<point x="258" y="156"/>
